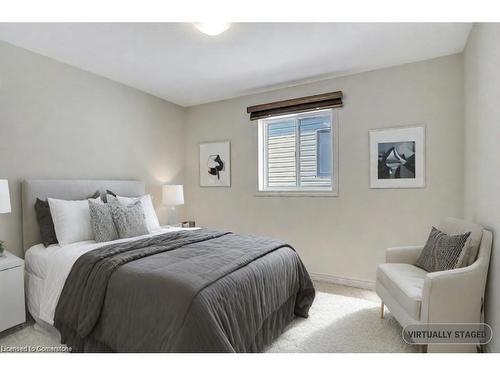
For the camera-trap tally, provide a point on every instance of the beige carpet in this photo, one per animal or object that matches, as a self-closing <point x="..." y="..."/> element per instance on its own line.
<point x="340" y="324"/>
<point x="28" y="336"/>
<point x="336" y="324"/>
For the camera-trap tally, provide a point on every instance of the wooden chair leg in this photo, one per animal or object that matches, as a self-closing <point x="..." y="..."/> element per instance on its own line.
<point x="382" y="310"/>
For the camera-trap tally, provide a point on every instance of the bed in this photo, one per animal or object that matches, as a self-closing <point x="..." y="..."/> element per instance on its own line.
<point x="174" y="290"/>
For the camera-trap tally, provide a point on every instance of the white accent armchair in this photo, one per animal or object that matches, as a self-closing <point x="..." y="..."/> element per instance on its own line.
<point x="415" y="296"/>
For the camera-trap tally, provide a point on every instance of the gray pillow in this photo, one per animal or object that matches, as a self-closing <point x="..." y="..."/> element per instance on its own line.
<point x="442" y="251"/>
<point x="111" y="198"/>
<point x="130" y="221"/>
<point x="101" y="221"/>
<point x="108" y="193"/>
<point x="47" y="230"/>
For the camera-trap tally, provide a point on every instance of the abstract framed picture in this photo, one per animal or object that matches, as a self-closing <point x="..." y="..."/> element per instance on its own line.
<point x="215" y="164"/>
<point x="397" y="157"/>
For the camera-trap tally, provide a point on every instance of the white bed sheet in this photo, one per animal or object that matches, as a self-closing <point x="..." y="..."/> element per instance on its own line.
<point x="37" y="258"/>
<point x="52" y="265"/>
<point x="33" y="285"/>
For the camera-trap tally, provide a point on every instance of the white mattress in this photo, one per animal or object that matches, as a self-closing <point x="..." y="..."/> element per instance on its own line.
<point x="49" y="267"/>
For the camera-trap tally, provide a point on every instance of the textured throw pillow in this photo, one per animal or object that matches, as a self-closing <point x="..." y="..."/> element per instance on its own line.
<point x="111" y="199"/>
<point x="147" y="204"/>
<point x="443" y="252"/>
<point x="47" y="231"/>
<point x="109" y="194"/>
<point x="129" y="220"/>
<point x="101" y="220"/>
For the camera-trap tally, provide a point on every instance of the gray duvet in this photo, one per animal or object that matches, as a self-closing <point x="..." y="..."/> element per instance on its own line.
<point x="186" y="291"/>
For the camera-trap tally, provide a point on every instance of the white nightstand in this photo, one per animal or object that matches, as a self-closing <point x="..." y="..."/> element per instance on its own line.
<point x="12" y="310"/>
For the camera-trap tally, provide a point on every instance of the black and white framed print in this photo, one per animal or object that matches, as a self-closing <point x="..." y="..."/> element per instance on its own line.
<point x="215" y="164"/>
<point x="397" y="157"/>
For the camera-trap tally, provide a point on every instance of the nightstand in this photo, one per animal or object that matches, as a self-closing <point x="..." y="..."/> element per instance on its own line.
<point x="12" y="311"/>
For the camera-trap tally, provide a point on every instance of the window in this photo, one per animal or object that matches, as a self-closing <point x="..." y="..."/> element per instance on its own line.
<point x="296" y="153"/>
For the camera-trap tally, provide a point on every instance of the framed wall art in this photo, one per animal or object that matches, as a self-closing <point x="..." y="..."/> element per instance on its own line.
<point x="397" y="157"/>
<point x="215" y="164"/>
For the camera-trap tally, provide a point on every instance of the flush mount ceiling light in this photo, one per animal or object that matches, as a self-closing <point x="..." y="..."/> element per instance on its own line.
<point x="212" y="28"/>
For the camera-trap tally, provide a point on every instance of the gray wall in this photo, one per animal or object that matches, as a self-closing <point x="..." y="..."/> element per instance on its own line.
<point x="482" y="137"/>
<point x="343" y="236"/>
<point x="57" y="121"/>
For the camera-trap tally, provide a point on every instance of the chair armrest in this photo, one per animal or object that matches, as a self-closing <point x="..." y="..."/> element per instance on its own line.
<point x="454" y="296"/>
<point x="403" y="254"/>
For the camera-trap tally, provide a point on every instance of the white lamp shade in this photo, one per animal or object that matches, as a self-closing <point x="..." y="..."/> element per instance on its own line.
<point x="4" y="197"/>
<point x="173" y="195"/>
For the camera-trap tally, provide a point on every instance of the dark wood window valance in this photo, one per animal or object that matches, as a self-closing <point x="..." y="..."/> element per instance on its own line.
<point x="285" y="107"/>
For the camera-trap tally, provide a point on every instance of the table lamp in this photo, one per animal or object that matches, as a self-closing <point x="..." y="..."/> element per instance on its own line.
<point x="173" y="195"/>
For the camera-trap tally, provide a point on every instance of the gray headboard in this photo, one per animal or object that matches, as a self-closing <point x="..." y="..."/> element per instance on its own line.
<point x="66" y="189"/>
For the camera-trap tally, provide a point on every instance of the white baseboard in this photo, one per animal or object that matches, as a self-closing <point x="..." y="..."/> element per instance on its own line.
<point x="356" y="283"/>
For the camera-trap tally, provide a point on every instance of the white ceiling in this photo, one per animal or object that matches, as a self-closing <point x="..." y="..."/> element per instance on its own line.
<point x="176" y="62"/>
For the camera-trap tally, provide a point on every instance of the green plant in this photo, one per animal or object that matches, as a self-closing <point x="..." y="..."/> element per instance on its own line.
<point x="2" y="247"/>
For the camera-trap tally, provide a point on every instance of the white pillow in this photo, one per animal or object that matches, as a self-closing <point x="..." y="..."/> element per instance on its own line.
<point x="149" y="211"/>
<point x="71" y="220"/>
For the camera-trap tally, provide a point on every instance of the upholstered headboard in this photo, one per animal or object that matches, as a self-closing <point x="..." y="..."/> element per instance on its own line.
<point x="66" y="189"/>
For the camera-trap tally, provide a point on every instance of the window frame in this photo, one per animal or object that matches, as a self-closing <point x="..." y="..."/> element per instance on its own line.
<point x="263" y="190"/>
